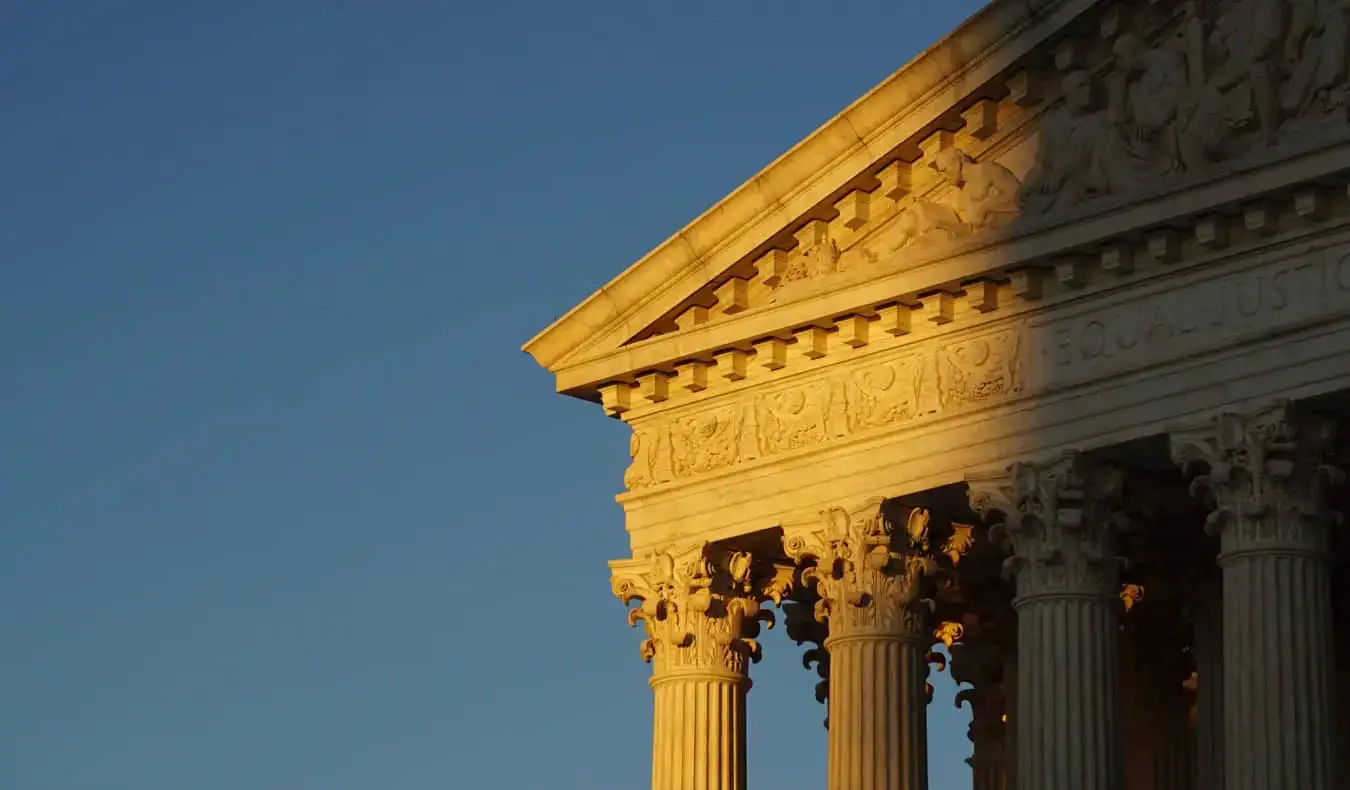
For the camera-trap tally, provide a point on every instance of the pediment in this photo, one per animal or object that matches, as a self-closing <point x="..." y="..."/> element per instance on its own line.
<point x="1053" y="119"/>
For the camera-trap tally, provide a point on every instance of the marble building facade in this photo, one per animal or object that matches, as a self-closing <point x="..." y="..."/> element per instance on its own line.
<point x="1040" y="350"/>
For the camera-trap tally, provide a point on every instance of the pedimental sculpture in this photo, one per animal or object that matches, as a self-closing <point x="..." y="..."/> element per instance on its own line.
<point x="1040" y="350"/>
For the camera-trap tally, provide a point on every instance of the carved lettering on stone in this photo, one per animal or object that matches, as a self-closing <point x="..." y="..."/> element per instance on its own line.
<point x="1312" y="283"/>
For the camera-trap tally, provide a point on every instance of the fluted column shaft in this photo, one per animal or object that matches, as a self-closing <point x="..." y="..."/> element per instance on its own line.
<point x="1207" y="648"/>
<point x="1265" y="473"/>
<point x="700" y="611"/>
<point x="1058" y="520"/>
<point x="1067" y="664"/>
<point x="698" y="740"/>
<point x="1277" y="673"/>
<point x="867" y="564"/>
<point x="878" y="712"/>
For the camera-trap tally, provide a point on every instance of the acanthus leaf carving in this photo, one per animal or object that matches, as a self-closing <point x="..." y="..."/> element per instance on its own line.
<point x="699" y="609"/>
<point x="1265" y="473"/>
<point x="1059" y="521"/>
<point x="868" y="570"/>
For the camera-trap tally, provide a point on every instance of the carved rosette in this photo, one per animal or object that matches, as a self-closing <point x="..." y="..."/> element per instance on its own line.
<point x="1059" y="521"/>
<point x="1266" y="474"/>
<point x="700" y="610"/>
<point x="868" y="570"/>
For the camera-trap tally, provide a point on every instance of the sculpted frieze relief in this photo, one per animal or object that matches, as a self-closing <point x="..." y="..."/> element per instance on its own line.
<point x="1168" y="94"/>
<point x="840" y="405"/>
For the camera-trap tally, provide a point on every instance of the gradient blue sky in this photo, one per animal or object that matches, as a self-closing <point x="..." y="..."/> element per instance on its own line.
<point x="284" y="506"/>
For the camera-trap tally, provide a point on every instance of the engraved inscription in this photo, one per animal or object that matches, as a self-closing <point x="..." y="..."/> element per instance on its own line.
<point x="1314" y="284"/>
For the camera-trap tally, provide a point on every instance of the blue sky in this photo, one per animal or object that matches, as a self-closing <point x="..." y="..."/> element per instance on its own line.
<point x="284" y="506"/>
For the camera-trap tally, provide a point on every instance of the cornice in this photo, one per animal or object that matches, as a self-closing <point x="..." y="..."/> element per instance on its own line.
<point x="907" y="104"/>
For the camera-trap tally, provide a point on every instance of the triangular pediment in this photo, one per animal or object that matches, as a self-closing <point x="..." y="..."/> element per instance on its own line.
<point x="1019" y="124"/>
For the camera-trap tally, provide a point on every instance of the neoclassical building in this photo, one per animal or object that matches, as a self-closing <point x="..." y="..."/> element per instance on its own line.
<point x="1039" y="350"/>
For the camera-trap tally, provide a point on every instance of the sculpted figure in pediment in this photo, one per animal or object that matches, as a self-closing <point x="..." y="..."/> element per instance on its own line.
<point x="1237" y="83"/>
<point x="1068" y="167"/>
<point x="1148" y="102"/>
<point x="1232" y="81"/>
<point x="1315" y="54"/>
<point x="983" y="196"/>
<point x="985" y="192"/>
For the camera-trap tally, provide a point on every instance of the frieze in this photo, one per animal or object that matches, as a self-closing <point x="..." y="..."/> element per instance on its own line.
<point x="1311" y="282"/>
<point x="952" y="377"/>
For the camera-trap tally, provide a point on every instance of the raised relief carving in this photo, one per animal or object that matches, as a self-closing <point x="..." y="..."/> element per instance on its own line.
<point x="699" y="608"/>
<point x="1147" y="102"/>
<point x="980" y="369"/>
<point x="1237" y="77"/>
<point x="983" y="195"/>
<point x="1067" y="168"/>
<point x="885" y="394"/>
<point x="985" y="192"/>
<point x="1315" y="45"/>
<point x="794" y="418"/>
<point x="704" y="442"/>
<point x="964" y="374"/>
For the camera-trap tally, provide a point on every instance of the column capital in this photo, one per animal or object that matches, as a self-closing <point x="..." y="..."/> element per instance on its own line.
<point x="1058" y="518"/>
<point x="699" y="608"/>
<point x="1265" y="473"/>
<point x="867" y="564"/>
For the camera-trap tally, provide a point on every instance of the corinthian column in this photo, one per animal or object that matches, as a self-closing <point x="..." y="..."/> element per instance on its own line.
<point x="701" y="617"/>
<point x="867" y="570"/>
<point x="1265" y="478"/>
<point x="1058" y="522"/>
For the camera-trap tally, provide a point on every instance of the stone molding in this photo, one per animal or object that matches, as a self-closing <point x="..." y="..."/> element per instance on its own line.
<point x="912" y="99"/>
<point x="1283" y="282"/>
<point x="1148" y="107"/>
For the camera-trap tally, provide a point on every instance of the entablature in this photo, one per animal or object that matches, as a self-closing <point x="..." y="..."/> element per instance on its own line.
<point x="1135" y="132"/>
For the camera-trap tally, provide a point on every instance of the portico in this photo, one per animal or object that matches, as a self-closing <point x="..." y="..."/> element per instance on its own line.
<point x="1037" y="350"/>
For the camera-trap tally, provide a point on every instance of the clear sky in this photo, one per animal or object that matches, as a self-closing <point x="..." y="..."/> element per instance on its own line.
<point x="282" y="504"/>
